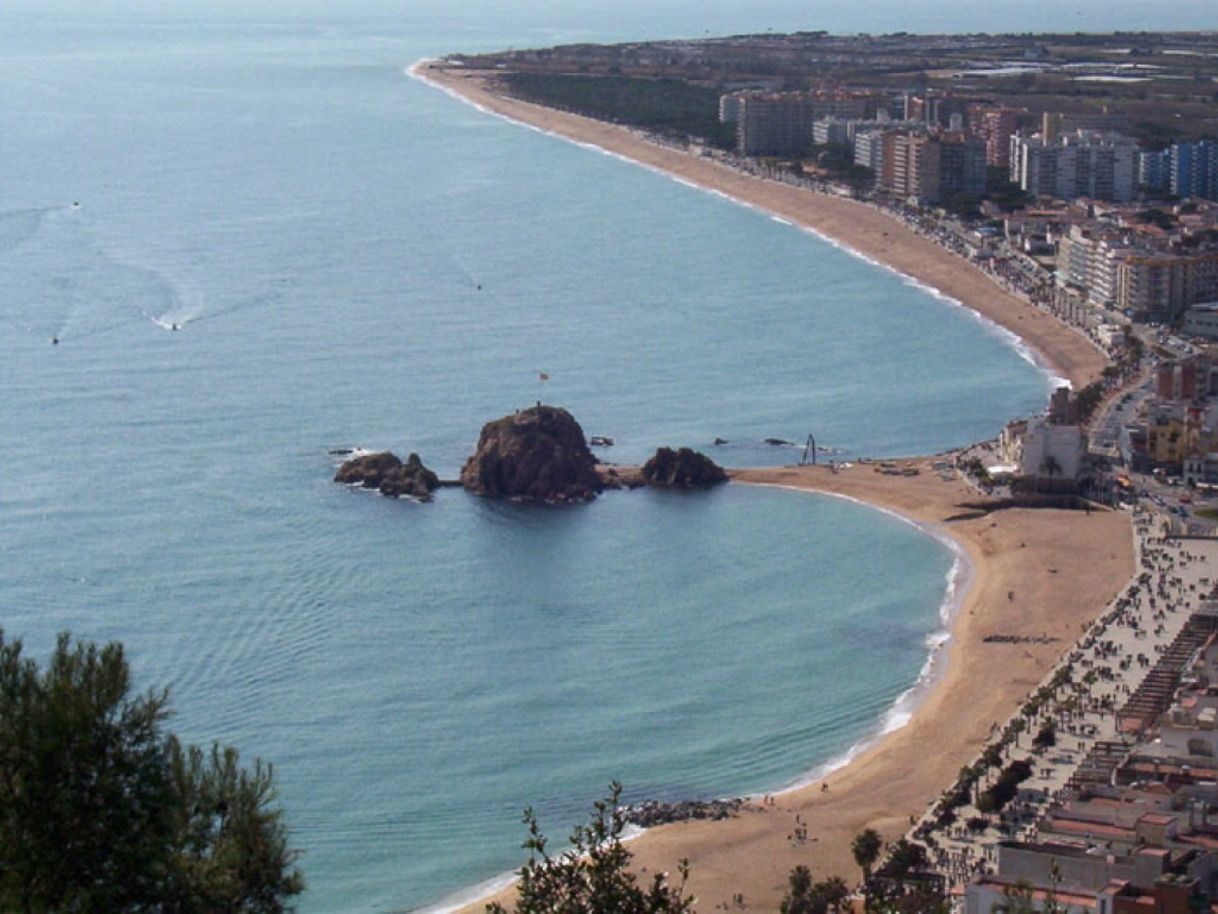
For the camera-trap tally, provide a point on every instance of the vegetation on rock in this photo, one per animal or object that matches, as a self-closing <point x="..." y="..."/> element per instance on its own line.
<point x="537" y="454"/>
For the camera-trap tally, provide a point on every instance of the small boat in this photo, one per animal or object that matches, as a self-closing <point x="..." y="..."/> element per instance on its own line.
<point x="600" y="441"/>
<point x="780" y="442"/>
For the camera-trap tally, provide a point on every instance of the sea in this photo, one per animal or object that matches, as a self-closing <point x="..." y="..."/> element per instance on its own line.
<point x="354" y="259"/>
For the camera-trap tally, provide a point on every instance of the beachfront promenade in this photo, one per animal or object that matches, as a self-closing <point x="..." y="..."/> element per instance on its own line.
<point x="1141" y="633"/>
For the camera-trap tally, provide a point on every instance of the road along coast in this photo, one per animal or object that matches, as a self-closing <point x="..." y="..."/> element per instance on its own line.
<point x="1038" y="577"/>
<point x="863" y="229"/>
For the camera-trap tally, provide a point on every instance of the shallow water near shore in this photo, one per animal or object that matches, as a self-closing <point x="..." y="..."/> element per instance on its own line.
<point x="355" y="259"/>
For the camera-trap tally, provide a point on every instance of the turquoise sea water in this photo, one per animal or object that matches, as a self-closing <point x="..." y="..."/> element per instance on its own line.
<point x="319" y="224"/>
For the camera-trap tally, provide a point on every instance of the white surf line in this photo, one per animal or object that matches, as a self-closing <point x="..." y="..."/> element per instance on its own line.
<point x="959" y="581"/>
<point x="1025" y="349"/>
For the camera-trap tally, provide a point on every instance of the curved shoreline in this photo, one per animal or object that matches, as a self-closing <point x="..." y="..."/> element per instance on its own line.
<point x="959" y="583"/>
<point x="897" y="773"/>
<point x="1063" y="567"/>
<point x="854" y="227"/>
<point x="1065" y="574"/>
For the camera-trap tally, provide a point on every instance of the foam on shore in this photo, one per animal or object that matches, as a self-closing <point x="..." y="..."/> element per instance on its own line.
<point x="1023" y="348"/>
<point x="475" y="894"/>
<point x="486" y="890"/>
<point x="958" y="580"/>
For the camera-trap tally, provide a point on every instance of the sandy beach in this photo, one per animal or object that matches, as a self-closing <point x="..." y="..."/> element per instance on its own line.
<point x="1035" y="573"/>
<point x="1042" y="573"/>
<point x="864" y="229"/>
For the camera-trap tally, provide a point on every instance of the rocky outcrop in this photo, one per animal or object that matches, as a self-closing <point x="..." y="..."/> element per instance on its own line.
<point x="654" y="812"/>
<point x="538" y="454"/>
<point x="682" y="469"/>
<point x="389" y="475"/>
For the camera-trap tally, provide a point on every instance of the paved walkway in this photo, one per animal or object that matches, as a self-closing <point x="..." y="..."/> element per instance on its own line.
<point x="1127" y="661"/>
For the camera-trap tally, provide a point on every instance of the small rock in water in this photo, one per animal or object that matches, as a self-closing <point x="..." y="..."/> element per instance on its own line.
<point x="389" y="475"/>
<point x="682" y="469"/>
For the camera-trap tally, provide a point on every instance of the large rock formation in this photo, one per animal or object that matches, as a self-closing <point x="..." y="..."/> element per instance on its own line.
<point x="538" y="454"/>
<point x="386" y="473"/>
<point x="682" y="469"/>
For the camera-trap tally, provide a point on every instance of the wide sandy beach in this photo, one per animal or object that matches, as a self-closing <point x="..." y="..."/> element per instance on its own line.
<point x="1034" y="572"/>
<point x="855" y="225"/>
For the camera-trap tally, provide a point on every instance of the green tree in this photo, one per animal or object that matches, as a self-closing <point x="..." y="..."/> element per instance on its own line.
<point x="592" y="877"/>
<point x="866" y="849"/>
<point x="85" y="797"/>
<point x="804" y="897"/>
<point x="230" y="844"/>
<point x="800" y="897"/>
<point x="101" y="811"/>
<point x="904" y="857"/>
<point x="1046" y="737"/>
<point x="834" y="892"/>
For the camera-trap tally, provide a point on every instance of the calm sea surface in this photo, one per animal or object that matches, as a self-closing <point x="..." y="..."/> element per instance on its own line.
<point x="320" y="224"/>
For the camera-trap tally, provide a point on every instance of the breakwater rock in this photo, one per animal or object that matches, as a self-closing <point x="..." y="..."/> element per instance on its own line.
<point x="537" y="454"/>
<point x="653" y="812"/>
<point x="1019" y="639"/>
<point x="387" y="474"/>
<point x="682" y="469"/>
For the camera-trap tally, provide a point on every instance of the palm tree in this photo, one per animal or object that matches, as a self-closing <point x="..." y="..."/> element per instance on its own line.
<point x="834" y="892"/>
<point x="1049" y="467"/>
<point x="866" y="849"/>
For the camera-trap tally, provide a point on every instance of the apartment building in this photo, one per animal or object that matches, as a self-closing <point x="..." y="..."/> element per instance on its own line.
<point x="994" y="126"/>
<point x="931" y="167"/>
<point x="1148" y="282"/>
<point x="774" y="124"/>
<point x="1194" y="169"/>
<point x="1083" y="163"/>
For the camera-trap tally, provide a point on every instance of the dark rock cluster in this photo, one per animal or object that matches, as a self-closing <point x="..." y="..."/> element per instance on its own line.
<point x="682" y="469"/>
<point x="537" y="454"/>
<point x="653" y="812"/>
<point x="389" y="475"/>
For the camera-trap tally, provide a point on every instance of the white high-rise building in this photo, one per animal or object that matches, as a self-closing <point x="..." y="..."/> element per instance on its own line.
<point x="1085" y="163"/>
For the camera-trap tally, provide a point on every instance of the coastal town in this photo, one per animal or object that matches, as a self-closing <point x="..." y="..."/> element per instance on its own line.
<point x="1077" y="176"/>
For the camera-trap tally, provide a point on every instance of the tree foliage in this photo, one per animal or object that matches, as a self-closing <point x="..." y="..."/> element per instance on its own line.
<point x="805" y="897"/>
<point x="1046" y="736"/>
<point x="101" y="811"/>
<point x="866" y="848"/>
<point x="669" y="106"/>
<point x="593" y="877"/>
<point x="1005" y="788"/>
<point x="904" y="857"/>
<point x="1088" y="399"/>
